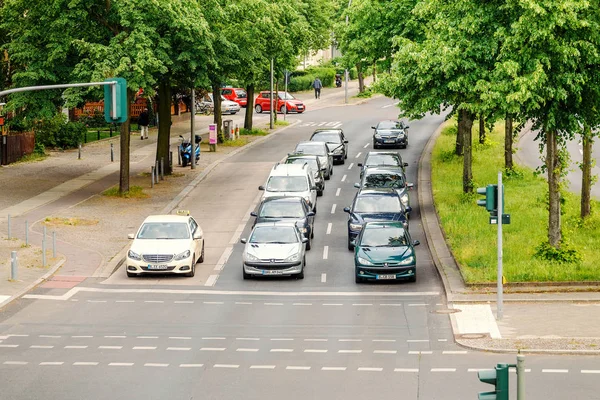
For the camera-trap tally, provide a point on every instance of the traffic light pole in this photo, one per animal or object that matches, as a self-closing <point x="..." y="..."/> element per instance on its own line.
<point x="499" y="305"/>
<point x="520" y="377"/>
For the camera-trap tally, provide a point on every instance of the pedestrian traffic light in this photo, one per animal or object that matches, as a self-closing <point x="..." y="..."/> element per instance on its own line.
<point x="115" y="100"/>
<point x="497" y="377"/>
<point x="491" y="198"/>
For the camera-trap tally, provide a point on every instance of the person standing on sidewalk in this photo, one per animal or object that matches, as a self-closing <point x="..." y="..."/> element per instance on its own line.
<point x="143" y="122"/>
<point x="317" y="85"/>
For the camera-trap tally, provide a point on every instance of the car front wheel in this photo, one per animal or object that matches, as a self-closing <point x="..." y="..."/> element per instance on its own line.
<point x="258" y="109"/>
<point x="245" y="275"/>
<point x="193" y="271"/>
<point x="282" y="109"/>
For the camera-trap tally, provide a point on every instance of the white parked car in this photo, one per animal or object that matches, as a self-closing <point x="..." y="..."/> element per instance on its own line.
<point x="166" y="244"/>
<point x="227" y="106"/>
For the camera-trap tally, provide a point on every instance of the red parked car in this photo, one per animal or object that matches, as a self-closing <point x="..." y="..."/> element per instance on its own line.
<point x="238" y="95"/>
<point x="284" y="100"/>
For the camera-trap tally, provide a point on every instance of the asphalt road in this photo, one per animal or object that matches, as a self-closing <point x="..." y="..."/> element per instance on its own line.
<point x="220" y="337"/>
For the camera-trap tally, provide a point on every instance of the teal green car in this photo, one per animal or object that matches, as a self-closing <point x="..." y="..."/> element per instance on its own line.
<point x="385" y="251"/>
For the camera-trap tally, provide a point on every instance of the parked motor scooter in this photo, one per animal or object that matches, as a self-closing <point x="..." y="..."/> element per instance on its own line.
<point x="338" y="80"/>
<point x="185" y="150"/>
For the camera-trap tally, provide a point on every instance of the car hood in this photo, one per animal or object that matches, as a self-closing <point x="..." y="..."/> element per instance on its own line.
<point x="368" y="217"/>
<point x="229" y="103"/>
<point x="295" y="102"/>
<point x="160" y="246"/>
<point x="274" y="251"/>
<point x="390" y="132"/>
<point x="380" y="255"/>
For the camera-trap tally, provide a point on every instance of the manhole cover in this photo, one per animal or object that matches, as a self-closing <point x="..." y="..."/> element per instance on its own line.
<point x="472" y="336"/>
<point x="447" y="311"/>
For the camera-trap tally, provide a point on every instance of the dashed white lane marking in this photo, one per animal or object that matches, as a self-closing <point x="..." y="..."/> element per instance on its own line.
<point x="243" y="302"/>
<point x="370" y="369"/>
<point x="247" y="338"/>
<point x="180" y="337"/>
<point x="116" y="337"/>
<point x="406" y="370"/>
<point x="82" y="337"/>
<point x="479" y="369"/>
<point x="344" y="178"/>
<point x="242" y="349"/>
<point x="454" y="352"/>
<point x="213" y="302"/>
<point x="178" y="348"/>
<point x="144" y="348"/>
<point x="349" y="340"/>
<point x="442" y="340"/>
<point x="333" y="208"/>
<point x="556" y="371"/>
<point x="420" y="352"/>
<point x="329" y="226"/>
<point x="262" y="367"/>
<point x="365" y="146"/>
<point x="385" y="340"/>
<point x="590" y="371"/>
<point x="350" y="166"/>
<point x="333" y="368"/>
<point x="332" y="304"/>
<point x="191" y="365"/>
<point x="302" y="304"/>
<point x="390" y="105"/>
<point x="124" y="301"/>
<point x="350" y="351"/>
<point x="282" y="339"/>
<point x="116" y="364"/>
<point x="417" y="340"/>
<point x="281" y="350"/>
<point x="211" y="280"/>
<point x="213" y="338"/>
<point x="86" y="363"/>
<point x="96" y="301"/>
<point x="323" y="278"/>
<point x="417" y="305"/>
<point x="52" y="363"/>
<point x="50" y="336"/>
<point x="15" y="363"/>
<point x="223" y="259"/>
<point x="358" y="155"/>
<point x="315" y="350"/>
<point x="154" y="301"/>
<point x="226" y="366"/>
<point x="315" y="340"/>
<point x="76" y="347"/>
<point x="8" y="345"/>
<point x="273" y="304"/>
<point x="155" y="365"/>
<point x="37" y="346"/>
<point x="391" y="305"/>
<point x="183" y="302"/>
<point x="325" y="252"/>
<point x="443" y="369"/>
<point x="297" y="368"/>
<point x="16" y="335"/>
<point x="337" y="192"/>
<point x="110" y="347"/>
<point x="361" y="304"/>
<point x="147" y="337"/>
<point x="385" y="351"/>
<point x="212" y="349"/>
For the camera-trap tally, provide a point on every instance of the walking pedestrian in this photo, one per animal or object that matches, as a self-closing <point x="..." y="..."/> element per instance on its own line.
<point x="143" y="122"/>
<point x="317" y="85"/>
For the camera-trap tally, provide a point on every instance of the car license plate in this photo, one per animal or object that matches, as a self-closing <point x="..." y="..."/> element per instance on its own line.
<point x="271" y="272"/>
<point x="393" y="276"/>
<point x="389" y="141"/>
<point x="158" y="267"/>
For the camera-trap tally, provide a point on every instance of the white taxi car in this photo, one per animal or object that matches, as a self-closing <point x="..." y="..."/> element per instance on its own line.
<point x="166" y="244"/>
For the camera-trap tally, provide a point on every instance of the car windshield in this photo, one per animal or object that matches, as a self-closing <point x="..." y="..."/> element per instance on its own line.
<point x="326" y="137"/>
<point x="282" y="209"/>
<point x="390" y="125"/>
<point x="379" y="180"/>
<point x="274" y="234"/>
<point x="287" y="184"/>
<point x="240" y="93"/>
<point x="382" y="159"/>
<point x="285" y="96"/>
<point x="377" y="204"/>
<point x="164" y="230"/>
<point x="383" y="236"/>
<point x="315" y="148"/>
<point x="312" y="162"/>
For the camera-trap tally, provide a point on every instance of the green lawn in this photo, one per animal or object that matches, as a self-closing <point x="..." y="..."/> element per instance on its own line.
<point x="473" y="240"/>
<point x="92" y="134"/>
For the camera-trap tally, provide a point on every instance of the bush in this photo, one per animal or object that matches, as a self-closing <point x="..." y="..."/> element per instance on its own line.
<point x="302" y="80"/>
<point x="93" y="120"/>
<point x="57" y="132"/>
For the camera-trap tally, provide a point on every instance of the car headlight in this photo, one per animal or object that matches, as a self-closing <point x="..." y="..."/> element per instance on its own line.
<point x="364" y="261"/>
<point x="251" y="257"/>
<point x="355" y="227"/>
<point x="293" y="257"/>
<point x="404" y="199"/>
<point x="303" y="230"/>
<point x="407" y="260"/>
<point x="307" y="198"/>
<point x="134" y="256"/>
<point x="182" y="256"/>
<point x="339" y="150"/>
<point x="400" y="135"/>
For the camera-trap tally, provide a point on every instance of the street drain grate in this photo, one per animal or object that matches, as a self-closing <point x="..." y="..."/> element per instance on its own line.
<point x="472" y="336"/>
<point x="446" y="311"/>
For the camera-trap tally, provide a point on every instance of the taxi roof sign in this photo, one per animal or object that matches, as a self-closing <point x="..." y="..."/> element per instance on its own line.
<point x="183" y="212"/>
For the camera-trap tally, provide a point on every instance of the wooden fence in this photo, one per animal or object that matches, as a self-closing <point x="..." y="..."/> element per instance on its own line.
<point x="14" y="146"/>
<point x="135" y="109"/>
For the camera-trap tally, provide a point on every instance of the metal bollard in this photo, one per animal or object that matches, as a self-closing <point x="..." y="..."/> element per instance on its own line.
<point x="79" y="155"/>
<point x="171" y="160"/>
<point x="53" y="244"/>
<point x="178" y="158"/>
<point x="110" y="130"/>
<point x="520" y="377"/>
<point x="9" y="227"/>
<point x="162" y="168"/>
<point x="44" y="248"/>
<point x="98" y="134"/>
<point x="112" y="152"/>
<point x="156" y="171"/>
<point x="152" y="176"/>
<point x="26" y="233"/>
<point x="13" y="265"/>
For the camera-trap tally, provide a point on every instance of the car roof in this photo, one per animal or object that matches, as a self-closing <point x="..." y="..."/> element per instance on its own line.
<point x="167" y="218"/>
<point x="377" y="192"/>
<point x="384" y="224"/>
<point x="329" y="130"/>
<point x="288" y="170"/>
<point x="383" y="152"/>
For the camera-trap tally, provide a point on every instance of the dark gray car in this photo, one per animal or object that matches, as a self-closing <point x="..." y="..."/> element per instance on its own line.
<point x="390" y="134"/>
<point x="387" y="177"/>
<point x="336" y="142"/>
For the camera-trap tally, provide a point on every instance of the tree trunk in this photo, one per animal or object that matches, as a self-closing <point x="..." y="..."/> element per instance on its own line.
<point x="249" y="107"/>
<point x="508" y="144"/>
<point x="164" y="124"/>
<point x="554" y="169"/>
<point x="374" y="71"/>
<point x="125" y="141"/>
<point x="481" y="129"/>
<point x="458" y="150"/>
<point x="467" y="119"/>
<point x="586" y="170"/>
<point x="361" y="80"/>
<point x="218" y="119"/>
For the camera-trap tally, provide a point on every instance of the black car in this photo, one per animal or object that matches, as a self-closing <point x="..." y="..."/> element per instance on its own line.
<point x="374" y="205"/>
<point x="314" y="163"/>
<point x="390" y="134"/>
<point x="336" y="142"/>
<point x="382" y="159"/>
<point x="287" y="209"/>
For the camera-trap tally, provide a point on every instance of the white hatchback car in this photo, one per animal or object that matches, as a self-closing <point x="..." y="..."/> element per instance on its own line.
<point x="292" y="180"/>
<point x="166" y="244"/>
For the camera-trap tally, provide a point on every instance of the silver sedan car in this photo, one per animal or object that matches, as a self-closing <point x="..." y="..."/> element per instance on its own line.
<point x="274" y="249"/>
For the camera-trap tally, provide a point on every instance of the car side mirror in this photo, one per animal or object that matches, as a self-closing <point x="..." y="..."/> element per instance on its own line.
<point x="357" y="185"/>
<point x="244" y="240"/>
<point x="405" y="164"/>
<point x="345" y="142"/>
<point x="406" y="126"/>
<point x="373" y="127"/>
<point x="310" y="214"/>
<point x="347" y="209"/>
<point x="408" y="209"/>
<point x="261" y="187"/>
<point x="410" y="185"/>
<point x="253" y="214"/>
<point x="416" y="243"/>
<point x="359" y="164"/>
<point x="131" y="236"/>
<point x="313" y="188"/>
<point x="304" y="240"/>
<point x="198" y="235"/>
<point x="330" y="154"/>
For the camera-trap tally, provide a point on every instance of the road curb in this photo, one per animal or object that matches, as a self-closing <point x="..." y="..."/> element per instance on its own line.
<point x="527" y="351"/>
<point x="35" y="283"/>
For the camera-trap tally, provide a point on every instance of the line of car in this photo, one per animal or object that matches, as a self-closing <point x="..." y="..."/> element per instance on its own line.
<point x="233" y="99"/>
